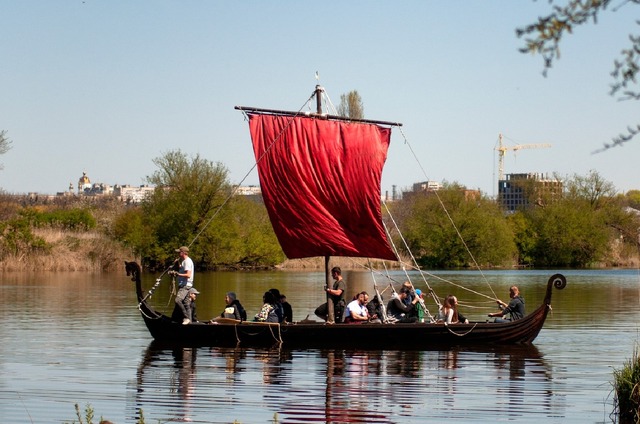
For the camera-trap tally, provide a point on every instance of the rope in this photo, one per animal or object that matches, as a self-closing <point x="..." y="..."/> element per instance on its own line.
<point x="413" y="259"/>
<point x="232" y="193"/>
<point x="237" y="186"/>
<point x="460" y="334"/>
<point x="235" y="328"/>
<point x="147" y="316"/>
<point x="473" y="259"/>
<point x="433" y="276"/>
<point x="383" y="308"/>
<point x="270" y="325"/>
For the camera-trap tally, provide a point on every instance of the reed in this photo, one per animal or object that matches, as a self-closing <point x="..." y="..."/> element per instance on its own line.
<point x="626" y="385"/>
<point x="89" y="415"/>
<point x="89" y="251"/>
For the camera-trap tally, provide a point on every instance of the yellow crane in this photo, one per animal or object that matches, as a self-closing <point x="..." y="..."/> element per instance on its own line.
<point x="502" y="149"/>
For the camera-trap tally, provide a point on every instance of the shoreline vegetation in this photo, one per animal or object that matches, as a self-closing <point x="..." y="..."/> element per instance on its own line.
<point x="94" y="252"/>
<point x="91" y="251"/>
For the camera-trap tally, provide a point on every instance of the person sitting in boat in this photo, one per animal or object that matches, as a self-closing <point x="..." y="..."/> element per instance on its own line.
<point x="448" y="312"/>
<point x="411" y="293"/>
<point x="234" y="309"/>
<point x="515" y="308"/>
<point x="336" y="295"/>
<point x="397" y="308"/>
<point x="419" y="309"/>
<point x="278" y="305"/>
<point x="287" y="309"/>
<point x="185" y="276"/>
<point x="191" y="296"/>
<point x="268" y="311"/>
<point x="461" y="318"/>
<point x="373" y="308"/>
<point x="356" y="312"/>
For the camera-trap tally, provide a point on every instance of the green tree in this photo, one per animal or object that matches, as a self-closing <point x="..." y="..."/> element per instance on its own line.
<point x="133" y="230"/>
<point x="544" y="36"/>
<point x="193" y="204"/>
<point x="426" y="224"/>
<point x="568" y="233"/>
<point x="351" y="105"/>
<point x="581" y="228"/>
<point x="188" y="192"/>
<point x="632" y="199"/>
<point x="245" y="238"/>
<point x="524" y="237"/>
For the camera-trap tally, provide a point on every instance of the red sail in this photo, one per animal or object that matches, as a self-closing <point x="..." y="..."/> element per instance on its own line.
<point x="320" y="181"/>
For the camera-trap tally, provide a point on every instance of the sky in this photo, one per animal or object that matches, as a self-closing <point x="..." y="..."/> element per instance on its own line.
<point x="104" y="87"/>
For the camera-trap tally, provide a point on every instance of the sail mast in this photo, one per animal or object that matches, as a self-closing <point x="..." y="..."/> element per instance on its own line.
<point x="327" y="274"/>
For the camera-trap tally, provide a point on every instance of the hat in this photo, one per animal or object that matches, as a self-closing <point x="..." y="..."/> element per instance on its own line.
<point x="419" y="292"/>
<point x="192" y="290"/>
<point x="184" y="249"/>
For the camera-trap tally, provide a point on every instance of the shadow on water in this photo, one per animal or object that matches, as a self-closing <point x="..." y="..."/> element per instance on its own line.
<point x="178" y="384"/>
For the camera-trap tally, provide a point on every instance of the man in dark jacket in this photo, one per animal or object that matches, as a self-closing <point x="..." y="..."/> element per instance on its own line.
<point x="401" y="311"/>
<point x="515" y="308"/>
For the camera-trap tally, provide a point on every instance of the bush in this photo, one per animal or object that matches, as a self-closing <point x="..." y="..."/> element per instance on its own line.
<point x="626" y="385"/>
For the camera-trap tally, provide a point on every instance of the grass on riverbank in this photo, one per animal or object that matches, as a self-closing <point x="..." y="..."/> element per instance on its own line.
<point x="88" y="251"/>
<point x="626" y="385"/>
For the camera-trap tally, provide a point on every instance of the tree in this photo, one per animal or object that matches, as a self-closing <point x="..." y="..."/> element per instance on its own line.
<point x="434" y="241"/>
<point x="632" y="199"/>
<point x="189" y="191"/>
<point x="351" y="105"/>
<point x="193" y="205"/>
<point x="5" y="144"/>
<point x="580" y="229"/>
<point x="544" y="36"/>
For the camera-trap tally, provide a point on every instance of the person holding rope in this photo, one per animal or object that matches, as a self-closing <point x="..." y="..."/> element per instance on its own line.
<point x="185" y="281"/>
<point x="399" y="310"/>
<point x="515" y="308"/>
<point x="337" y="296"/>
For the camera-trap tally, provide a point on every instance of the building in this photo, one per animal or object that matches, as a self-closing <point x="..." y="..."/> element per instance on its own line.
<point x="84" y="183"/>
<point x="520" y="191"/>
<point x="130" y="194"/>
<point x="431" y="187"/>
<point x="250" y="190"/>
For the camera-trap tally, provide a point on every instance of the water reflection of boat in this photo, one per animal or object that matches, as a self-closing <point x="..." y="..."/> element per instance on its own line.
<point x="347" y="385"/>
<point x="320" y="177"/>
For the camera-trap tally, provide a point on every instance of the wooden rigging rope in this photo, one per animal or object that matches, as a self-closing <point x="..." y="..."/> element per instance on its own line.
<point x="475" y="263"/>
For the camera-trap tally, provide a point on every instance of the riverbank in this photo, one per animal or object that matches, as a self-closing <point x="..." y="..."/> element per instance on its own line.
<point x="65" y="251"/>
<point x="92" y="251"/>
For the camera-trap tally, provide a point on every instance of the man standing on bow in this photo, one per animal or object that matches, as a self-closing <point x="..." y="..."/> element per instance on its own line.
<point x="185" y="282"/>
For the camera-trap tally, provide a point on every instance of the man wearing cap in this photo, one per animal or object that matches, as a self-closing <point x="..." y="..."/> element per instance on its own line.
<point x="185" y="282"/>
<point x="192" y="303"/>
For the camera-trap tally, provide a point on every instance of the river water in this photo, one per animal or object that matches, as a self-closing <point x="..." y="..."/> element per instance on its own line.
<point x="75" y="338"/>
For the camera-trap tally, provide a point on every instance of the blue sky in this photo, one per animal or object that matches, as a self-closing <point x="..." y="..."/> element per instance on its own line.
<point x="106" y="86"/>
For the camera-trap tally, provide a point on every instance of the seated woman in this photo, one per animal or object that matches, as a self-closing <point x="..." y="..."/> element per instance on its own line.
<point x="448" y="312"/>
<point x="268" y="311"/>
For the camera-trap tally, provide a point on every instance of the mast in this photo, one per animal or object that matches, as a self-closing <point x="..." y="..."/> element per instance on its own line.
<point x="327" y="274"/>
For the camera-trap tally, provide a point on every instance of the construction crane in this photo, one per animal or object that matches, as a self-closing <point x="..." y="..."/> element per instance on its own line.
<point x="502" y="149"/>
